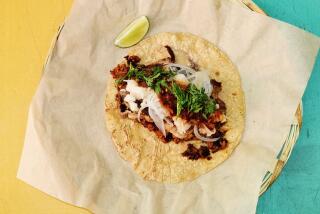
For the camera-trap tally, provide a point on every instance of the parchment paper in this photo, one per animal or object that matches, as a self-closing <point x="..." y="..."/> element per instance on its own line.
<point x="68" y="153"/>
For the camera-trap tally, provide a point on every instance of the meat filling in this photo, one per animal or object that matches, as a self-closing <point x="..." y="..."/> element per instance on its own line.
<point x="180" y="125"/>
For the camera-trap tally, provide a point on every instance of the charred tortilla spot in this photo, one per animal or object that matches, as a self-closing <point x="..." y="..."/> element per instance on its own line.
<point x="193" y="65"/>
<point x="217" y="73"/>
<point x="216" y="88"/>
<point x="170" y="52"/>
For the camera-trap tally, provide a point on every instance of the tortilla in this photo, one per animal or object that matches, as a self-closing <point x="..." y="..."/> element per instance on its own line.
<point x="150" y="157"/>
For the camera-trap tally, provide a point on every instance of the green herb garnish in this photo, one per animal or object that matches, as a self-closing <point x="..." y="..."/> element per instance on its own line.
<point x="181" y="97"/>
<point x="156" y="80"/>
<point x="193" y="99"/>
<point x="131" y="73"/>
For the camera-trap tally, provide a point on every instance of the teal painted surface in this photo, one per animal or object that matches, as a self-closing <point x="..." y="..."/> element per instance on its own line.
<point x="297" y="190"/>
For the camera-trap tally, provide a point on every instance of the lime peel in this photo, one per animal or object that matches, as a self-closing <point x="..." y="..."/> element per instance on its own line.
<point x="133" y="33"/>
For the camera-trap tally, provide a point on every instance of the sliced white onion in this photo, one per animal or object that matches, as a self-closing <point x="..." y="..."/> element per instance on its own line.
<point x="155" y="110"/>
<point x="201" y="79"/>
<point x="185" y="70"/>
<point x="196" y="133"/>
<point x="157" y="121"/>
<point x="153" y="102"/>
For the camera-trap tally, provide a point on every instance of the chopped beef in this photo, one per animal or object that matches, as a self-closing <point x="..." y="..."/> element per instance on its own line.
<point x="152" y="65"/>
<point x="176" y="140"/>
<point x="217" y="134"/>
<point x="191" y="153"/>
<point x="145" y="111"/>
<point x="148" y="68"/>
<point x="142" y="84"/>
<point x="121" y="85"/>
<point x="213" y="146"/>
<point x="170" y="52"/>
<point x="217" y="116"/>
<point x="123" y="107"/>
<point x="210" y="124"/>
<point x="217" y="87"/>
<point x="118" y="99"/>
<point x="145" y="117"/>
<point x="189" y="135"/>
<point x="223" y="143"/>
<point x="139" y="103"/>
<point x="169" y="137"/>
<point x="204" y="152"/>
<point x="224" y="129"/>
<point x="214" y="120"/>
<point x="120" y="71"/>
<point x="169" y="101"/>
<point x="194" y="118"/>
<point x="149" y="125"/>
<point x="134" y="60"/>
<point x="222" y="105"/>
<point x="160" y="135"/>
<point x="218" y="125"/>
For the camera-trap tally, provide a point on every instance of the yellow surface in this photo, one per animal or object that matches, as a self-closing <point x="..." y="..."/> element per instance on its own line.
<point x="27" y="28"/>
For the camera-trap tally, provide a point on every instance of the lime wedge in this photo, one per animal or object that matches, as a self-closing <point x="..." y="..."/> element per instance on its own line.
<point x="133" y="33"/>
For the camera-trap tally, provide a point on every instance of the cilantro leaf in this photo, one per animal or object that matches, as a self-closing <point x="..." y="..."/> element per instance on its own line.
<point x="132" y="72"/>
<point x="181" y="97"/>
<point x="194" y="100"/>
<point x="156" y="80"/>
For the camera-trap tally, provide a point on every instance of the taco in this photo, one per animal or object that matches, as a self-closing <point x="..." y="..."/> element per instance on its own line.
<point x="175" y="107"/>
